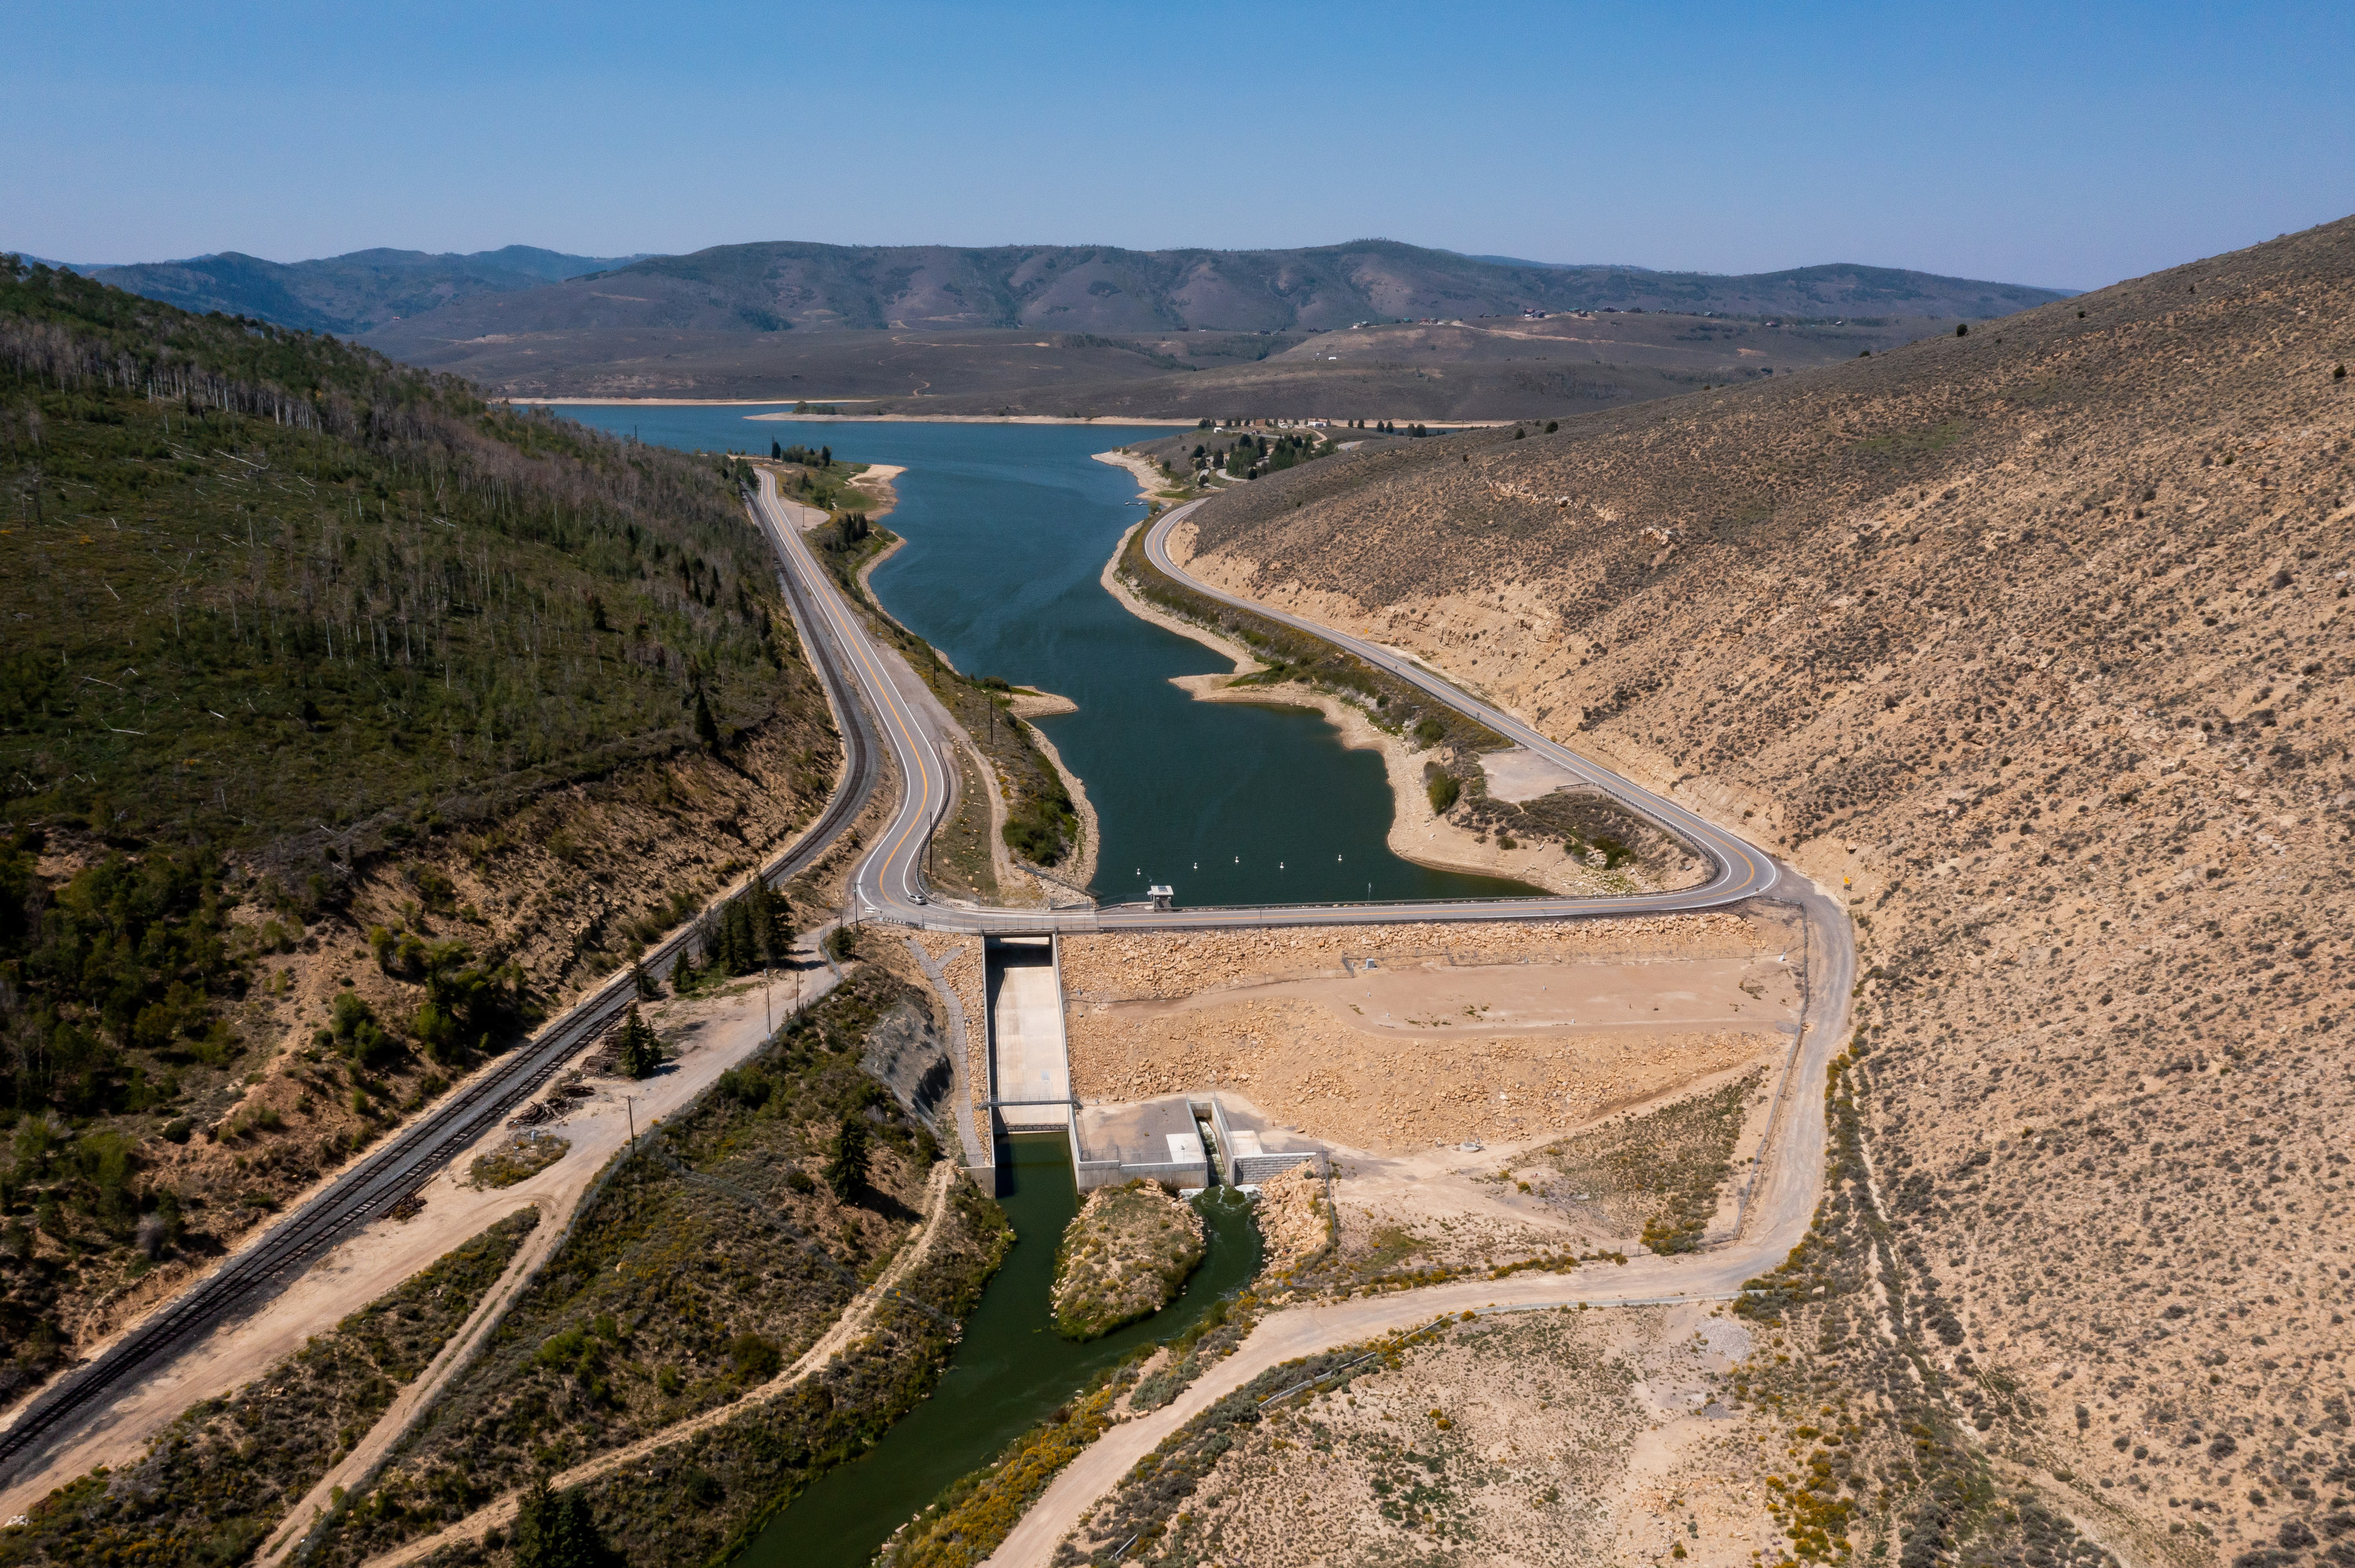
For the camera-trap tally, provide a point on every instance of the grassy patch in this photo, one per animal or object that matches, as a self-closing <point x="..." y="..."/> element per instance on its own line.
<point x="221" y="1476"/>
<point x="960" y="864"/>
<point x="813" y="478"/>
<point x="1661" y="1169"/>
<point x="1124" y="1257"/>
<point x="525" y="1154"/>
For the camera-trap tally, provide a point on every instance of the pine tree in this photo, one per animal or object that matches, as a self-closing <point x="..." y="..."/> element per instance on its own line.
<point x="638" y="1051"/>
<point x="643" y="983"/>
<point x="739" y="951"/>
<point x="707" y="728"/>
<point x="775" y="925"/>
<point x="846" y="1167"/>
<point x="556" y="1530"/>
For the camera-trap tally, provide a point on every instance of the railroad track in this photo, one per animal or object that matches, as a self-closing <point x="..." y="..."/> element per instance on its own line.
<point x="412" y="1158"/>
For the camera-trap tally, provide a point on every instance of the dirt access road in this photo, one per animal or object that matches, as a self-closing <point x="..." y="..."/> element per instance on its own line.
<point x="854" y="1320"/>
<point x="1781" y="1204"/>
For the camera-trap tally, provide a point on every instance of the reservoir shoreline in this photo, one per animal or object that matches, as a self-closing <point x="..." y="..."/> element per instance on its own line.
<point x="1233" y="803"/>
<point x="1417" y="834"/>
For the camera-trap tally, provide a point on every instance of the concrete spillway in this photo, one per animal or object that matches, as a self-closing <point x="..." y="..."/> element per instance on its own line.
<point x="1029" y="1064"/>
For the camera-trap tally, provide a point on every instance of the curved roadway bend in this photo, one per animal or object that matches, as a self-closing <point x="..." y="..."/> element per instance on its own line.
<point x="890" y="883"/>
<point x="400" y="1167"/>
<point x="1783" y="1196"/>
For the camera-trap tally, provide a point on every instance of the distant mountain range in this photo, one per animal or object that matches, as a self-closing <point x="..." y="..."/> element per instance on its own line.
<point x="405" y="299"/>
<point x="349" y="294"/>
<point x="778" y="285"/>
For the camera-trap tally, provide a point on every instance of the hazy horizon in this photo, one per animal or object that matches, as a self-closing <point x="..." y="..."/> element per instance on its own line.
<point x="2061" y="150"/>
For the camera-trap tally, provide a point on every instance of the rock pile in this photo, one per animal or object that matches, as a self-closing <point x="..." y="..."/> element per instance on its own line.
<point x="1295" y="1220"/>
<point x="1103" y="965"/>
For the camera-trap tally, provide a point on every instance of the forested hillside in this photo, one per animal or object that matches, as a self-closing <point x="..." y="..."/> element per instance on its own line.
<point x="348" y="723"/>
<point x="353" y="292"/>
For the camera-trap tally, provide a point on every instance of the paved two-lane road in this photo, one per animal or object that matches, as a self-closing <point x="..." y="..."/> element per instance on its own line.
<point x="890" y="885"/>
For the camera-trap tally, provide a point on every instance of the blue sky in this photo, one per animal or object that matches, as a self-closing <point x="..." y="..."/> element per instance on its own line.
<point x="2050" y="145"/>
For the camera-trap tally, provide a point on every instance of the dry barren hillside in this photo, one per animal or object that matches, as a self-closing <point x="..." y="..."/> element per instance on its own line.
<point x="2038" y="640"/>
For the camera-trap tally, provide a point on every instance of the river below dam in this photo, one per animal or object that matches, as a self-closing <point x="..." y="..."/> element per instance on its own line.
<point x="1008" y="529"/>
<point x="1008" y="1371"/>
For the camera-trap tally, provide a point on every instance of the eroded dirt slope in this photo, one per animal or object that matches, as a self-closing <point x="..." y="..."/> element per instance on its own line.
<point x="2036" y="640"/>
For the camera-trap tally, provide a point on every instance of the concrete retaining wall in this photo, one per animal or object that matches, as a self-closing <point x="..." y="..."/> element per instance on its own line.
<point x="1253" y="1168"/>
<point x="1111" y="1173"/>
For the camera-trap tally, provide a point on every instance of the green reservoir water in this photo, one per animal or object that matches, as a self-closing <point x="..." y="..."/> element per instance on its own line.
<point x="1009" y="1371"/>
<point x="1008" y="527"/>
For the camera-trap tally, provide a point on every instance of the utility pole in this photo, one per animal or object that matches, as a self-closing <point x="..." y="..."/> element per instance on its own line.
<point x="630" y="1106"/>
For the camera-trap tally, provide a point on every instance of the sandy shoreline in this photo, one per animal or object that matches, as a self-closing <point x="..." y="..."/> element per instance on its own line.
<point x="783" y="410"/>
<point x="671" y="402"/>
<point x="1150" y="481"/>
<point x="1417" y="832"/>
<point x="1030" y="703"/>
<point x="875" y="481"/>
<point x="976" y="418"/>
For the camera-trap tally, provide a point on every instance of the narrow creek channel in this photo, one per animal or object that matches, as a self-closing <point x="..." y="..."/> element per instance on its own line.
<point x="1008" y="1371"/>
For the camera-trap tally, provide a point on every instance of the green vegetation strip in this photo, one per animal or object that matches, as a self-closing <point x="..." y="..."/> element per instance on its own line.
<point x="1292" y="654"/>
<point x="672" y="1295"/>
<point x="974" y="1516"/>
<point x="216" y="1481"/>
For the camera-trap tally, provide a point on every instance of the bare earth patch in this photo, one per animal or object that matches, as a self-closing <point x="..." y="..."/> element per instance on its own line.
<point x="1400" y="1038"/>
<point x="1555" y="1436"/>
